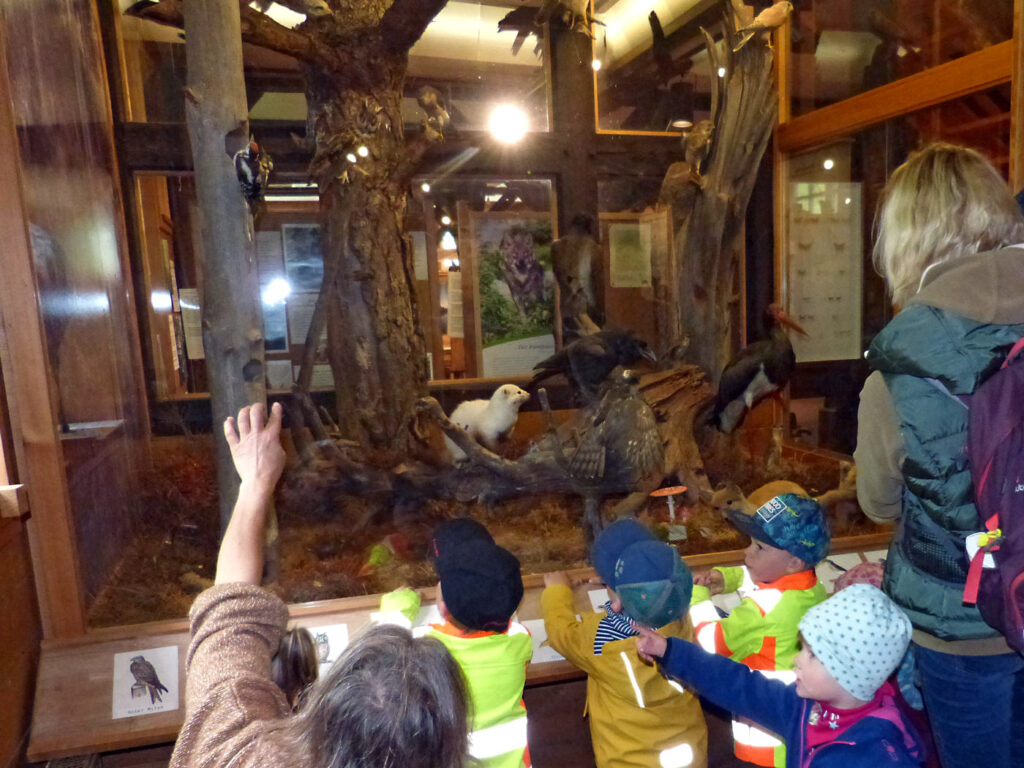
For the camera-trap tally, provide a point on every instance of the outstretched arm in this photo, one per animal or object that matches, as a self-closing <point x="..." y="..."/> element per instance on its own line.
<point x="259" y="460"/>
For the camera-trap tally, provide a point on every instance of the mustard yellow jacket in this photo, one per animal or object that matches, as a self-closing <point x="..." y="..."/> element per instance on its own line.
<point x="638" y="719"/>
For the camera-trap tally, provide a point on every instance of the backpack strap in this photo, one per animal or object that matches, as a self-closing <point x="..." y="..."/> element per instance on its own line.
<point x="1015" y="350"/>
<point x="988" y="541"/>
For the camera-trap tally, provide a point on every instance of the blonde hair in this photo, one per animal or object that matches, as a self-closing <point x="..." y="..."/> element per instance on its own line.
<point x="945" y="201"/>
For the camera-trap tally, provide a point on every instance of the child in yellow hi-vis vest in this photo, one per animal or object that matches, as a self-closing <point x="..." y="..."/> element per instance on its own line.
<point x="480" y="588"/>
<point x="778" y="585"/>
<point x="638" y="719"/>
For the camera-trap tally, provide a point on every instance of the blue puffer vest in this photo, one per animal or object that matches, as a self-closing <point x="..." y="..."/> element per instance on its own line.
<point x="927" y="563"/>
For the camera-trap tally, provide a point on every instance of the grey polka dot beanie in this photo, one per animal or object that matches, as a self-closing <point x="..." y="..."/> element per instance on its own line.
<point x="860" y="635"/>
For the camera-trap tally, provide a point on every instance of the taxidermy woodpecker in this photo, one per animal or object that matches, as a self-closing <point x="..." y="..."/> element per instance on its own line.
<point x="619" y="446"/>
<point x="253" y="167"/>
<point x="587" y="361"/>
<point x="767" y="20"/>
<point x="759" y="370"/>
<point x="488" y="421"/>
<point x="145" y="674"/>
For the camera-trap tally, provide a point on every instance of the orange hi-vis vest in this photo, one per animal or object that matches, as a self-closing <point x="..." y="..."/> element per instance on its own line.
<point x="761" y="632"/>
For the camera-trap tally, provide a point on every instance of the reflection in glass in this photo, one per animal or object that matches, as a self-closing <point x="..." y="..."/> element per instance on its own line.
<point x="463" y="53"/>
<point x="844" y="47"/>
<point x="652" y="71"/>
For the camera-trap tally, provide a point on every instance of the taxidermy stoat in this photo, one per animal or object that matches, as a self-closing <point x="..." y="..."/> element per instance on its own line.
<point x="487" y="421"/>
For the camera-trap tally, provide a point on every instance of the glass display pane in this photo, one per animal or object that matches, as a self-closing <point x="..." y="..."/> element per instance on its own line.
<point x="844" y="47"/>
<point x="652" y="71"/>
<point x="476" y="65"/>
<point x="831" y="287"/>
<point x="69" y="178"/>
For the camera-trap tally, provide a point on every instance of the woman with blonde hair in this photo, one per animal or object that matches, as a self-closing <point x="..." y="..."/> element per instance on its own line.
<point x="951" y="248"/>
<point x="390" y="700"/>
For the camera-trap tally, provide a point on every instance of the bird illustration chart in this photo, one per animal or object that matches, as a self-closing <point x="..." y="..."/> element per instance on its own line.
<point x="145" y="682"/>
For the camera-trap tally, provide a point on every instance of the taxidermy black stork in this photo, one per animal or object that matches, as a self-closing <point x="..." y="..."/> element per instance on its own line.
<point x="759" y="370"/>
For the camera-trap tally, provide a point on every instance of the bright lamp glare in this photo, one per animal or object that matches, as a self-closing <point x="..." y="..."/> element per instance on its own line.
<point x="446" y="220"/>
<point x="276" y="291"/>
<point x="829" y="164"/>
<point x="363" y="152"/>
<point x="161" y="301"/>
<point x="425" y="187"/>
<point x="721" y="71"/>
<point x="448" y="241"/>
<point x="596" y="64"/>
<point x="508" y="123"/>
<point x="350" y="157"/>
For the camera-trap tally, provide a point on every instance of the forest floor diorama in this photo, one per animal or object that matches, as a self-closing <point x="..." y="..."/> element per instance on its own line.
<point x="323" y="556"/>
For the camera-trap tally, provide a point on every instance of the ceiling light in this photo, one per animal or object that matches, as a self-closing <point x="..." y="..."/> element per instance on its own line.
<point x="425" y="186"/>
<point x="681" y="124"/>
<point x="829" y="164"/>
<point x="446" y="220"/>
<point x="363" y="151"/>
<point x="276" y="292"/>
<point x="508" y="123"/>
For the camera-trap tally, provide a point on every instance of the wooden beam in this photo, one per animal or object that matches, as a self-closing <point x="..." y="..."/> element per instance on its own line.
<point x="1017" y="100"/>
<point x="31" y="397"/>
<point x="985" y="69"/>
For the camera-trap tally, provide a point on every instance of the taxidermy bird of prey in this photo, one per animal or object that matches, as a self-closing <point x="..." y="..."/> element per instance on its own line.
<point x="144" y="674"/>
<point x="522" y="21"/>
<point x="432" y="102"/>
<point x="619" y="446"/>
<point x="770" y="18"/>
<point x="253" y="167"/>
<point x="759" y="370"/>
<point x="661" y="50"/>
<point x="574" y="14"/>
<point x="488" y="421"/>
<point x="696" y="147"/>
<point x="587" y="361"/>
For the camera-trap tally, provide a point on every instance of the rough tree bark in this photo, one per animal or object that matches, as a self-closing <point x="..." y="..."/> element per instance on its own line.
<point x="218" y="127"/>
<point x="708" y="217"/>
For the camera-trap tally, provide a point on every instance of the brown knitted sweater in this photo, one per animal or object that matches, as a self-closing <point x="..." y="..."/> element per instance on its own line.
<point x="230" y="698"/>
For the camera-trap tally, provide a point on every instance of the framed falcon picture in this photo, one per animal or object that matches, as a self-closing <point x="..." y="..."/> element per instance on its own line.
<point x="145" y="682"/>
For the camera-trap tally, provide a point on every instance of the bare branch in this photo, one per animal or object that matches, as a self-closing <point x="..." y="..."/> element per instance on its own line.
<point x="257" y="28"/>
<point x="403" y="23"/>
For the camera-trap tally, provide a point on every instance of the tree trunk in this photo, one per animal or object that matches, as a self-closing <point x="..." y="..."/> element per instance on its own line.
<point x="375" y="346"/>
<point x="232" y="318"/>
<point x="708" y="217"/>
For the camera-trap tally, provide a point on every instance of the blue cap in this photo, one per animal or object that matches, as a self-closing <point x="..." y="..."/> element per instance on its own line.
<point x="610" y="544"/>
<point x="791" y="522"/>
<point x="653" y="583"/>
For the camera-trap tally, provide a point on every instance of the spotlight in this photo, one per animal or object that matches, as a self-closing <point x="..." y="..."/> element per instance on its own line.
<point x="508" y="123"/>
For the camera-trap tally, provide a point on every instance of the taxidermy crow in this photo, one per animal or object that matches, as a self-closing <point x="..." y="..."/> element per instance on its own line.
<point x="619" y="446"/>
<point x="488" y="421"/>
<point x="759" y="370"/>
<point x="145" y="674"/>
<point x="587" y="361"/>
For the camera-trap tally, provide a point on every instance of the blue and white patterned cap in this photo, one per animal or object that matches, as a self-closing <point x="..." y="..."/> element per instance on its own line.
<point x="791" y="522"/>
<point x="860" y="635"/>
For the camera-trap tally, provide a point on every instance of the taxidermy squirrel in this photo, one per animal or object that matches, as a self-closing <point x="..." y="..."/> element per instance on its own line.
<point x="487" y="421"/>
